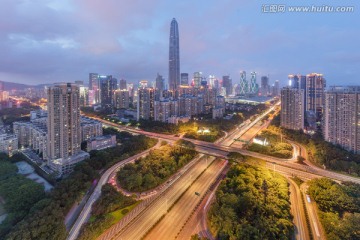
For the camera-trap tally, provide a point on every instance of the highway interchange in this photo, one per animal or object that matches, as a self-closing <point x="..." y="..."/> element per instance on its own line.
<point x="145" y="219"/>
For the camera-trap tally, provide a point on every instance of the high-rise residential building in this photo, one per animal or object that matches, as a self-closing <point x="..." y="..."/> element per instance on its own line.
<point x="184" y="79"/>
<point x="63" y="124"/>
<point x="211" y="81"/>
<point x="264" y="87"/>
<point x="159" y="87"/>
<point x="341" y="123"/>
<point x="121" y="99"/>
<point x="244" y="88"/>
<point x="227" y="84"/>
<point x="314" y="93"/>
<point x="143" y="84"/>
<point x="292" y="108"/>
<point x="253" y="88"/>
<point x="165" y="109"/>
<point x="197" y="79"/>
<point x="108" y="85"/>
<point x="145" y="103"/>
<point x="122" y="84"/>
<point x="174" y="57"/>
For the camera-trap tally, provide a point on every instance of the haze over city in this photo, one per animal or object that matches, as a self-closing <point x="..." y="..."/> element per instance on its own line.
<point x="52" y="41"/>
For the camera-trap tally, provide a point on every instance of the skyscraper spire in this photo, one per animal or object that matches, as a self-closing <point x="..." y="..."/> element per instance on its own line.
<point x="174" y="57"/>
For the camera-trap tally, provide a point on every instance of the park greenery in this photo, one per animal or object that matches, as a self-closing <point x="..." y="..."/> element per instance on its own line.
<point x="102" y="216"/>
<point x="10" y="115"/>
<point x="322" y="153"/>
<point x="149" y="172"/>
<point x="18" y="192"/>
<point x="45" y="219"/>
<point x="251" y="203"/>
<point x="276" y="148"/>
<point x="338" y="207"/>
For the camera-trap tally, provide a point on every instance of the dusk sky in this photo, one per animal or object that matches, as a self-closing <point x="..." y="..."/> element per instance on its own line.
<point x="45" y="41"/>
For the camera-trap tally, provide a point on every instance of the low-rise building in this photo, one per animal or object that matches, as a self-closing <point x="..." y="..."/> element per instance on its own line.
<point x="8" y="143"/>
<point x="90" y="128"/>
<point x="101" y="142"/>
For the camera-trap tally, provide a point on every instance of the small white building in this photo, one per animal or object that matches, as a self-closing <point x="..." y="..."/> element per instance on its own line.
<point x="101" y="142"/>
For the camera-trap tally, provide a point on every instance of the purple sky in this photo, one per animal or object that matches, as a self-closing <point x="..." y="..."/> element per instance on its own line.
<point x="45" y="41"/>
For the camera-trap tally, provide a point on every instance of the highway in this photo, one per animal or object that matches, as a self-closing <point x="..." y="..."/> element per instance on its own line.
<point x="175" y="219"/>
<point x="297" y="210"/>
<point x="85" y="213"/>
<point x="218" y="150"/>
<point x="159" y="206"/>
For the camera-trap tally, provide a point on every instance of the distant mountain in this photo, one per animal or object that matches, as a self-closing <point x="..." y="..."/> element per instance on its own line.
<point x="19" y="86"/>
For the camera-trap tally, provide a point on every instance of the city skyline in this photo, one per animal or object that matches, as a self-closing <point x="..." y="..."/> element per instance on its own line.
<point x="241" y="38"/>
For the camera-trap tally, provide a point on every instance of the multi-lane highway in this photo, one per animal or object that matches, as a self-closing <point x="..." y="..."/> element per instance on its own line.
<point x="145" y="220"/>
<point x="85" y="213"/>
<point x="173" y="222"/>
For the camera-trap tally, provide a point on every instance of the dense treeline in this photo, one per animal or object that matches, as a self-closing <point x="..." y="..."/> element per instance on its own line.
<point x="10" y="115"/>
<point x="101" y="219"/>
<point x="251" y="203"/>
<point x="19" y="193"/>
<point x="276" y="147"/>
<point x="152" y="170"/>
<point x="323" y="153"/>
<point x="46" y="218"/>
<point x="339" y="208"/>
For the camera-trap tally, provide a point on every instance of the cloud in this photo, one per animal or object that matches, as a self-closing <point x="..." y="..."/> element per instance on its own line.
<point x="64" y="40"/>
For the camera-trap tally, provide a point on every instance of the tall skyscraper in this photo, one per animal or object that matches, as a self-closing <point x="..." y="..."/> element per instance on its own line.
<point x="315" y="88"/>
<point x="174" y="57"/>
<point x="265" y="87"/>
<point x="292" y="108"/>
<point x="184" y="79"/>
<point x="122" y="84"/>
<point x="253" y="88"/>
<point x="197" y="79"/>
<point x="227" y="84"/>
<point x="243" y="83"/>
<point x="341" y="117"/>
<point x="63" y="125"/>
<point x="107" y="85"/>
<point x="94" y="91"/>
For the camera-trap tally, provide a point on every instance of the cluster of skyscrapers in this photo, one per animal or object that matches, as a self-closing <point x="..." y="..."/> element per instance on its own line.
<point x="307" y="105"/>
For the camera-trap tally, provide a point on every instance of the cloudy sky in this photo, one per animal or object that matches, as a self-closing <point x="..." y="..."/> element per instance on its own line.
<point x="63" y="40"/>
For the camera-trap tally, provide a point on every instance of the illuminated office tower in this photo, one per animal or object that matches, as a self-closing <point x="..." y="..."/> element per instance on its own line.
<point x="253" y="88"/>
<point x="244" y="88"/>
<point x="107" y="85"/>
<point x="159" y="87"/>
